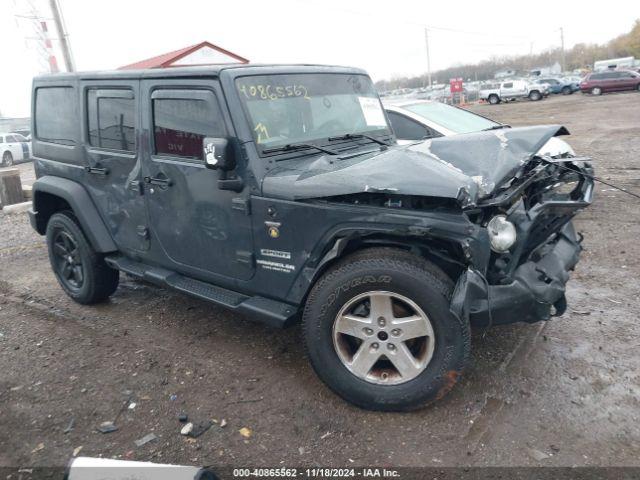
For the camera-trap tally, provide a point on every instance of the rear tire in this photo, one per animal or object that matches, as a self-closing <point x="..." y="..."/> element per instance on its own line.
<point x="80" y="270"/>
<point x="407" y="365"/>
<point x="7" y="159"/>
<point x="596" y="91"/>
<point x="535" y="95"/>
<point x="494" y="99"/>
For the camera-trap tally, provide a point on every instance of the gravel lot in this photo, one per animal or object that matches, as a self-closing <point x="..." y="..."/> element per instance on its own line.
<point x="560" y="393"/>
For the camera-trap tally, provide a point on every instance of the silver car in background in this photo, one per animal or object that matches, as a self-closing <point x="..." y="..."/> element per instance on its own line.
<point x="414" y="120"/>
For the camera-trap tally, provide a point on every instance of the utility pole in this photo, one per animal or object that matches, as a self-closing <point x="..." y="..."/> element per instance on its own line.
<point x="426" y="38"/>
<point x="62" y="35"/>
<point x="562" y="49"/>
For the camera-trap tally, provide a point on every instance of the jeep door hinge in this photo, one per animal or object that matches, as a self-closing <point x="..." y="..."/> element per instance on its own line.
<point x="242" y="204"/>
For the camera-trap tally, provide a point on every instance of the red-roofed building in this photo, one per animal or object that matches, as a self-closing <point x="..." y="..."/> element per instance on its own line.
<point x="204" y="53"/>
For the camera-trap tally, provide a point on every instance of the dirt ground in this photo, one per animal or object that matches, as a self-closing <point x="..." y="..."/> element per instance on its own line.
<point x="560" y="393"/>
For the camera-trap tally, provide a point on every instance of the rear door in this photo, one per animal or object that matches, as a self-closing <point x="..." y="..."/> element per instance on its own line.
<point x="506" y="89"/>
<point x="111" y="123"/>
<point x="197" y="227"/>
<point x="24" y="144"/>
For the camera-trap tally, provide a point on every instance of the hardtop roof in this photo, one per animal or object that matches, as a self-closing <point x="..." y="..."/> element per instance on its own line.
<point x="199" y="71"/>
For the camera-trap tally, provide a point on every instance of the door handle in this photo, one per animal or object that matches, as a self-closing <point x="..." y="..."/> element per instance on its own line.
<point x="160" y="182"/>
<point x="97" y="170"/>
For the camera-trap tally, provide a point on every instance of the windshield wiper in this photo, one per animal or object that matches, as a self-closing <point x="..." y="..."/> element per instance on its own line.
<point x="298" y="146"/>
<point x="355" y="136"/>
<point x="496" y="127"/>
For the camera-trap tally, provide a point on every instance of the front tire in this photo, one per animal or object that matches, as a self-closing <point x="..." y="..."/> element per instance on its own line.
<point x="596" y="91"/>
<point x="80" y="270"/>
<point x="535" y="96"/>
<point x="566" y="90"/>
<point x="378" y="331"/>
<point x="7" y="159"/>
<point x="494" y="99"/>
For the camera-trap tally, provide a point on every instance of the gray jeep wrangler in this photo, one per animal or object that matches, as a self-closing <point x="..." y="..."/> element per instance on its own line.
<point x="280" y="192"/>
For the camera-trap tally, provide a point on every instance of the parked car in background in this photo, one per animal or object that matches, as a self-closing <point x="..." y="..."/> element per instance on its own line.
<point x="513" y="90"/>
<point x="573" y="79"/>
<point x="13" y="148"/>
<point x="25" y="133"/>
<point x="598" y="83"/>
<point x="558" y="85"/>
<point x="420" y="120"/>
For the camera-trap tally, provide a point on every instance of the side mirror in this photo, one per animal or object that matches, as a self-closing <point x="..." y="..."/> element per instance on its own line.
<point x="218" y="154"/>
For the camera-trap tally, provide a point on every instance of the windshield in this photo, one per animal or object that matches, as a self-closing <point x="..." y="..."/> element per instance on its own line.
<point x="286" y="109"/>
<point x="451" y="118"/>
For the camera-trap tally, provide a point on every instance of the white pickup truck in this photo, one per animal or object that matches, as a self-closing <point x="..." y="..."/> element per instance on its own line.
<point x="512" y="90"/>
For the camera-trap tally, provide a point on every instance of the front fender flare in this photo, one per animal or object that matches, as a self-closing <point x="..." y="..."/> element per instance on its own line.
<point x="83" y="208"/>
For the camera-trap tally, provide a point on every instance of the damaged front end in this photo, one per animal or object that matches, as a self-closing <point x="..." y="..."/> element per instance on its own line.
<point x="439" y="198"/>
<point x="527" y="282"/>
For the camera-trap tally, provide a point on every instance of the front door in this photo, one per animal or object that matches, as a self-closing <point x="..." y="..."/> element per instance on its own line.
<point x="196" y="226"/>
<point x="627" y="80"/>
<point x="112" y="174"/>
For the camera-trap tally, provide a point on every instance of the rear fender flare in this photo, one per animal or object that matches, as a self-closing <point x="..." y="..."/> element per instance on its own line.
<point x="76" y="196"/>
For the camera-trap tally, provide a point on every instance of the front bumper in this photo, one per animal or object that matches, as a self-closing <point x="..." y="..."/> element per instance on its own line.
<point x="537" y="286"/>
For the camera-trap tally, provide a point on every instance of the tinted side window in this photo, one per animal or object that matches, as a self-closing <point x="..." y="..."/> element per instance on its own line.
<point x="180" y="124"/>
<point x="11" y="139"/>
<point x="111" y="120"/>
<point x="56" y="119"/>
<point x="407" y="129"/>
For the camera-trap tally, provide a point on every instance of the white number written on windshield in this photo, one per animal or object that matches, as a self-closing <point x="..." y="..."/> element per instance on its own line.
<point x="271" y="92"/>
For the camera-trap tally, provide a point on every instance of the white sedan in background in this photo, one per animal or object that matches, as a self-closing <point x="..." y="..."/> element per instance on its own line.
<point x="414" y="120"/>
<point x="13" y="148"/>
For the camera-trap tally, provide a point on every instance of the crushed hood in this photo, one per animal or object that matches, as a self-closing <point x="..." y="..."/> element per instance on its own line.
<point x="467" y="167"/>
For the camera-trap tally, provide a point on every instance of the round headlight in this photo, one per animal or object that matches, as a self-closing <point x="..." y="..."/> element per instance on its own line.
<point x="502" y="233"/>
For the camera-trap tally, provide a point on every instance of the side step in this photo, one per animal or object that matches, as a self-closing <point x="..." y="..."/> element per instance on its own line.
<point x="272" y="312"/>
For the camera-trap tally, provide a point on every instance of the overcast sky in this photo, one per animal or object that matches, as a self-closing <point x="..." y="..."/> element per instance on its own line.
<point x="385" y="38"/>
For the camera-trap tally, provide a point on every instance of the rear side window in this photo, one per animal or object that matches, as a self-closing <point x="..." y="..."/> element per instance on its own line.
<point x="407" y="129"/>
<point x="56" y="119"/>
<point x="111" y="119"/>
<point x="180" y="124"/>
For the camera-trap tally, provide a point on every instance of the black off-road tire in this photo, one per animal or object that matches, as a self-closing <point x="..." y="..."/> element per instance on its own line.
<point x="99" y="280"/>
<point x="400" y="272"/>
